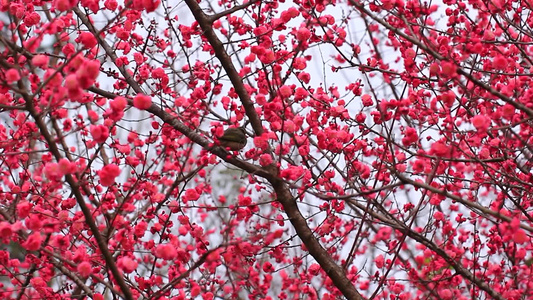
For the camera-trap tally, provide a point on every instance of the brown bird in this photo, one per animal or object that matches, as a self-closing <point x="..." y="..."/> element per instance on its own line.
<point x="233" y="138"/>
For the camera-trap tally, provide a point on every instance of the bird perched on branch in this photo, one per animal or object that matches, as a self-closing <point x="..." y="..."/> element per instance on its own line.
<point x="233" y="138"/>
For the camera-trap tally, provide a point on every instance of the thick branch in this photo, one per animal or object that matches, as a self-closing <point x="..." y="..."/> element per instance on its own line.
<point x="236" y="80"/>
<point x="334" y="271"/>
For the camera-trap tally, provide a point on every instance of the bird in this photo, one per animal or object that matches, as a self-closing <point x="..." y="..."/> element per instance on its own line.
<point x="233" y="138"/>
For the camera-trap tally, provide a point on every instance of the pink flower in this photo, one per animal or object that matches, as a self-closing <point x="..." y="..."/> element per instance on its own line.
<point x="285" y="91"/>
<point x="520" y="236"/>
<point x="140" y="229"/>
<point x="68" y="49"/>
<point x="33" y="242"/>
<point x="289" y="126"/>
<point x="159" y="73"/>
<point x="379" y="261"/>
<point x="314" y="269"/>
<point x="23" y="209"/>
<point x="438" y="216"/>
<point x="367" y="100"/>
<point x="111" y="4"/>
<point x="364" y="285"/>
<point x="118" y="104"/>
<point x="411" y="136"/>
<point x="5" y="230"/>
<point x="166" y="252"/>
<point x="12" y="75"/>
<point x="84" y="269"/>
<point x="508" y="111"/>
<point x="142" y="101"/>
<point x="87" y="73"/>
<point x="268" y="268"/>
<point x="448" y="98"/>
<point x="66" y="167"/>
<point x="409" y="53"/>
<point x="108" y="174"/>
<point x="52" y="171"/>
<point x="292" y="172"/>
<point x="446" y="294"/>
<point x="87" y="39"/>
<point x="261" y="142"/>
<point x="448" y="69"/>
<point x="265" y="160"/>
<point x="303" y="34"/>
<point x="268" y="57"/>
<point x="64" y="5"/>
<point x="481" y="122"/>
<point x="305" y="77"/>
<point x="434" y="69"/>
<point x="40" y="61"/>
<point x="71" y="82"/>
<point x="196" y="290"/>
<point x="192" y="195"/>
<point x="127" y="264"/>
<point x="150" y="5"/>
<point x="500" y="62"/>
<point x="100" y="133"/>
<point x="440" y="149"/>
<point x="32" y="19"/>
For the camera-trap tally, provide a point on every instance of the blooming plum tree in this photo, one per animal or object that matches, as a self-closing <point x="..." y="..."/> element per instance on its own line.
<point x="389" y="154"/>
